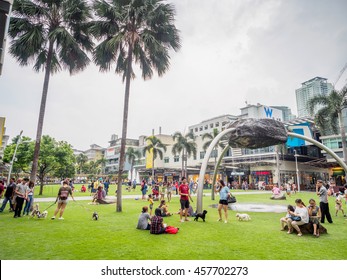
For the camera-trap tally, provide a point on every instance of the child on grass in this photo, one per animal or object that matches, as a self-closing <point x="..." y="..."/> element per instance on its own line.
<point x="150" y="200"/>
<point x="338" y="205"/>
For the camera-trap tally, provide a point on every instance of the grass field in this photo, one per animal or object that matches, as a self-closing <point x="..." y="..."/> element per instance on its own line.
<point x="114" y="237"/>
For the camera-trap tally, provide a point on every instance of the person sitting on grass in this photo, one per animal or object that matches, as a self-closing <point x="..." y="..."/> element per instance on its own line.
<point x="298" y="217"/>
<point x="164" y="209"/>
<point x="143" y="222"/>
<point x="157" y="223"/>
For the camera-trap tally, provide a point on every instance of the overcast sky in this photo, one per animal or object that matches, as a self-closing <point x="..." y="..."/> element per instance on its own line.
<point x="232" y="52"/>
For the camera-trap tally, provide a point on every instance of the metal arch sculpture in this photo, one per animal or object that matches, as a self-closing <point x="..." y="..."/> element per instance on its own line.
<point x="251" y="133"/>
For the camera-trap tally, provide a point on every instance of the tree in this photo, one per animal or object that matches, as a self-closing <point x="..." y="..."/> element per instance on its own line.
<point x="56" y="159"/>
<point x="24" y="155"/>
<point x="81" y="161"/>
<point x="53" y="34"/>
<point x="132" y="154"/>
<point x="133" y="31"/>
<point x="186" y="146"/>
<point x="330" y="115"/>
<point x="101" y="162"/>
<point x="66" y="159"/>
<point x="154" y="147"/>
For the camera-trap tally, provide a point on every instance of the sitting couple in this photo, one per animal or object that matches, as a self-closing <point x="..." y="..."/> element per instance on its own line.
<point x="302" y="215"/>
<point x="154" y="224"/>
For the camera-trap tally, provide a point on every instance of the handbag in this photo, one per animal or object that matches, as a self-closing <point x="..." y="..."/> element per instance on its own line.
<point x="295" y="218"/>
<point x="231" y="199"/>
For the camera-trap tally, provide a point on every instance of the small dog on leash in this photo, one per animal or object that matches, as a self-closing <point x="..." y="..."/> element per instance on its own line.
<point x="36" y="212"/>
<point x="201" y="215"/>
<point x="95" y="216"/>
<point x="243" y="217"/>
<point x="43" y="214"/>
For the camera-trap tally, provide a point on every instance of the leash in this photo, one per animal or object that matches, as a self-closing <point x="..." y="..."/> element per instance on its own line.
<point x="82" y="206"/>
<point x="49" y="207"/>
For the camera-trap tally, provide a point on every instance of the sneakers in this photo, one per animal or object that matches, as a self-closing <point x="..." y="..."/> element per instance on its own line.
<point x="299" y="234"/>
<point x="53" y="218"/>
<point x="182" y="221"/>
<point x="225" y="222"/>
<point x="61" y="218"/>
<point x="219" y="220"/>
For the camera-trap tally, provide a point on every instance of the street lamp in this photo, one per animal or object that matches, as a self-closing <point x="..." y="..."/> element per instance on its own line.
<point x="14" y="156"/>
<point x="297" y="170"/>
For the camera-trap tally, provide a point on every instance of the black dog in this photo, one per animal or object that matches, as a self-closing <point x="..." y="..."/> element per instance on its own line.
<point x="200" y="215"/>
<point x="95" y="216"/>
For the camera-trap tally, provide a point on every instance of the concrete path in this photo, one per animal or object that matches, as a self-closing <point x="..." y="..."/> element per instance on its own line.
<point x="134" y="196"/>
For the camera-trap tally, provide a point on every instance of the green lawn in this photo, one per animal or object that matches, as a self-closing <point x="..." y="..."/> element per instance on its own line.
<point x="114" y="237"/>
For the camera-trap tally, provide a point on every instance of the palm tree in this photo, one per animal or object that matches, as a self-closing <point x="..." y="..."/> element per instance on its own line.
<point x="210" y="137"/>
<point x="330" y="114"/>
<point x="156" y="147"/>
<point x="186" y="146"/>
<point x="54" y="35"/>
<point x="81" y="160"/>
<point x="133" y="31"/>
<point x="132" y="154"/>
<point x="102" y="162"/>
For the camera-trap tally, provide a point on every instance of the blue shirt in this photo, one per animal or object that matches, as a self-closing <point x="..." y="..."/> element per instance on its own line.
<point x="224" y="193"/>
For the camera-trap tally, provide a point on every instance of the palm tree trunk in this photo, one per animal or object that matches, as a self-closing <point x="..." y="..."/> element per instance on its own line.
<point x="42" y="113"/>
<point x="343" y="137"/>
<point x="152" y="169"/>
<point x="182" y="173"/>
<point x="124" y="129"/>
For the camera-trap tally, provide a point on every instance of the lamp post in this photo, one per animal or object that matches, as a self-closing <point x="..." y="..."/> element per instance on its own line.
<point x="14" y="157"/>
<point x="297" y="170"/>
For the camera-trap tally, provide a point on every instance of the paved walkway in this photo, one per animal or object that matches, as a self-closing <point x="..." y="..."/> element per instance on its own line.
<point x="134" y="196"/>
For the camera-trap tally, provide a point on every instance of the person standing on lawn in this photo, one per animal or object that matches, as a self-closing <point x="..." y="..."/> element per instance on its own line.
<point x="8" y="195"/>
<point x="224" y="192"/>
<point x="323" y="205"/>
<point x="62" y="199"/>
<point x="184" y="193"/>
<point x="20" y="192"/>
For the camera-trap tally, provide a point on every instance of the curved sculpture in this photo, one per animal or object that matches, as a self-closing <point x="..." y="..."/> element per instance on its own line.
<point x="248" y="137"/>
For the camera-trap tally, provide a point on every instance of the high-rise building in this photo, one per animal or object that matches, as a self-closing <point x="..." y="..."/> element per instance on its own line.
<point x="308" y="90"/>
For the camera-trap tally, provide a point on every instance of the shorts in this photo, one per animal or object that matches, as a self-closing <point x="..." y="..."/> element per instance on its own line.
<point x="184" y="204"/>
<point x="62" y="201"/>
<point x="223" y="202"/>
<point x="151" y="206"/>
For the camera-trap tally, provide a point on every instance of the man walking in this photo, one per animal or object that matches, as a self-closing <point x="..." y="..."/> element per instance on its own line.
<point x="324" y="205"/>
<point x="8" y="195"/>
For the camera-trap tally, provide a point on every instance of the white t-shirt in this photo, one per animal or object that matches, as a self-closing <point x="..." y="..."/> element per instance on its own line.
<point x="303" y="213"/>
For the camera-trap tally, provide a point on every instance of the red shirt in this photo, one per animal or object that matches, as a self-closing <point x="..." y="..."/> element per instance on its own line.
<point x="185" y="190"/>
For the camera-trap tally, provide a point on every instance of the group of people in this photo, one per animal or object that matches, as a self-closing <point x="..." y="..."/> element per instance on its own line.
<point x="313" y="213"/>
<point x="17" y="192"/>
<point x="159" y="190"/>
<point x="155" y="223"/>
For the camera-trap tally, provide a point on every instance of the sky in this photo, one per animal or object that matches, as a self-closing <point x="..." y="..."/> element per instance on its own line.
<point x="233" y="52"/>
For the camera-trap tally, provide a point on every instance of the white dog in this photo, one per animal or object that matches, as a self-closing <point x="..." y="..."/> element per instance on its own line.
<point x="243" y="217"/>
<point x="43" y="214"/>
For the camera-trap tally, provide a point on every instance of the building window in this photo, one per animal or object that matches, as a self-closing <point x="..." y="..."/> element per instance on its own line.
<point x="200" y="128"/>
<point x="202" y="155"/>
<point x="192" y="130"/>
<point x="211" y="125"/>
<point x="194" y="157"/>
<point x="196" y="129"/>
<point x="206" y="127"/>
<point x="176" y="159"/>
<point x="214" y="153"/>
<point x="217" y="124"/>
<point x="166" y="160"/>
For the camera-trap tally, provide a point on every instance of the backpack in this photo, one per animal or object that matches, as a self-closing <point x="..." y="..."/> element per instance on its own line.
<point x="171" y="230"/>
